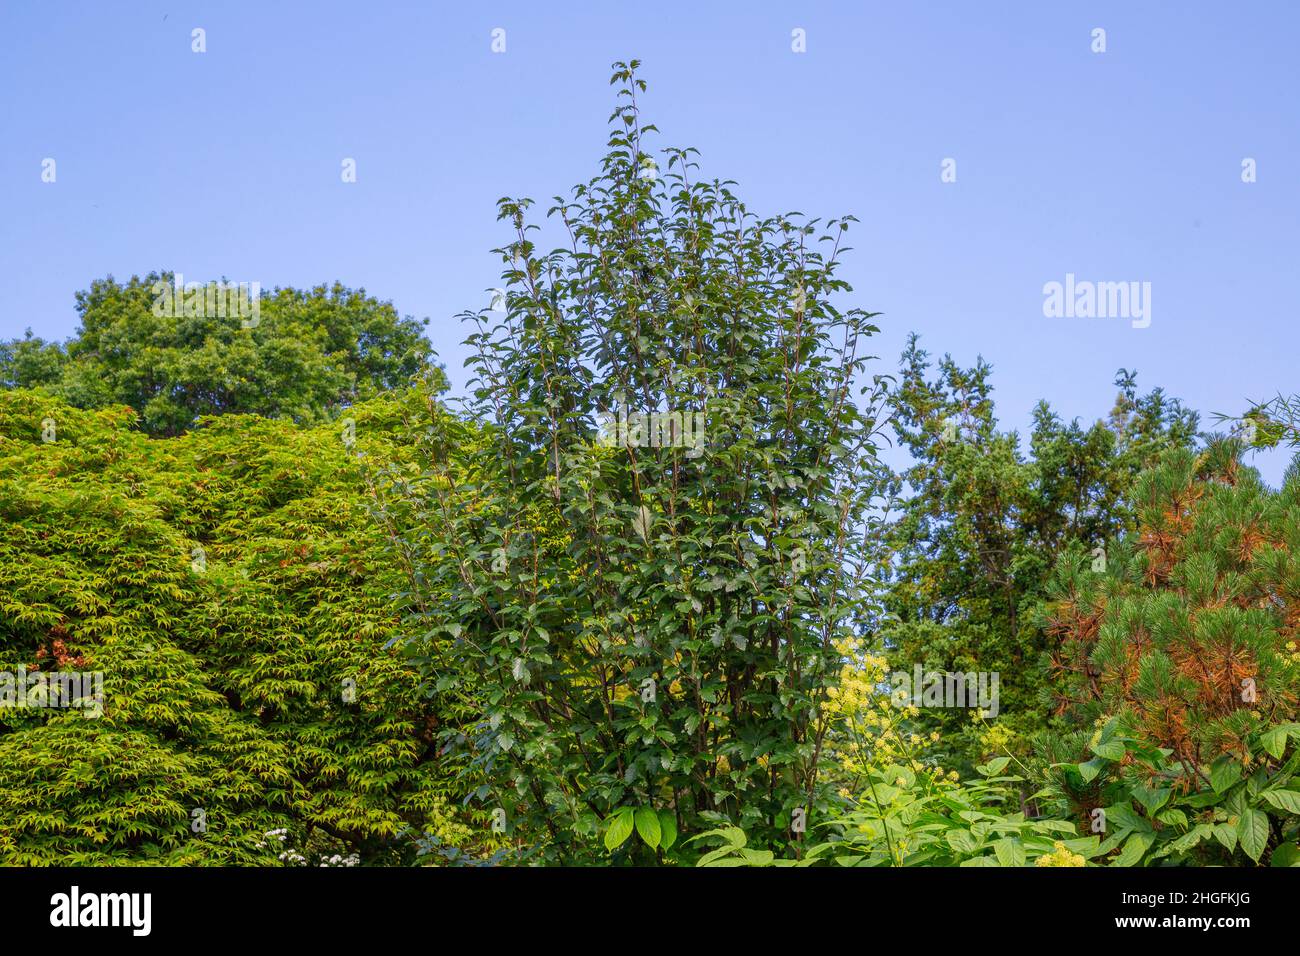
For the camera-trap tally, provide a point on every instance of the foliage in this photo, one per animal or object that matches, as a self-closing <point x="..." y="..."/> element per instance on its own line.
<point x="980" y="523"/>
<point x="231" y="588"/>
<point x="306" y="355"/>
<point x="653" y="616"/>
<point x="1180" y="667"/>
<point x="643" y="597"/>
<point x="907" y="818"/>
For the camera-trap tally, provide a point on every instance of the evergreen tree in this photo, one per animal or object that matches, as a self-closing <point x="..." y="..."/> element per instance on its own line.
<point x="1178" y="656"/>
<point x="980" y="524"/>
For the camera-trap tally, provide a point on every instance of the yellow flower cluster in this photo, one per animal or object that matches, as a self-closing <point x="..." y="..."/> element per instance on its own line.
<point x="870" y="723"/>
<point x="995" y="737"/>
<point x="1061" y="856"/>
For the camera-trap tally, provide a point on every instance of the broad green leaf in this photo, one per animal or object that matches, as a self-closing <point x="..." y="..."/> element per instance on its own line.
<point x="1089" y="769"/>
<point x="1226" y="834"/>
<point x="647" y="825"/>
<point x="1252" y="831"/>
<point x="1172" y="816"/>
<point x="667" y="828"/>
<point x="1288" y="854"/>
<point x="1224" y="772"/>
<point x="1274" y="741"/>
<point x="1009" y="851"/>
<point x="1110" y="749"/>
<point x="961" y="841"/>
<point x="1151" y="799"/>
<point x="1134" y="848"/>
<point x="1288" y="800"/>
<point x="620" y="828"/>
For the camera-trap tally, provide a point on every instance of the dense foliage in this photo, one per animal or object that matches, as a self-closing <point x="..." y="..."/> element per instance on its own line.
<point x="980" y="521"/>
<point x="1181" y="668"/>
<point x="656" y="607"/>
<point x="647" y="595"/>
<point x="301" y="355"/>
<point x="234" y="593"/>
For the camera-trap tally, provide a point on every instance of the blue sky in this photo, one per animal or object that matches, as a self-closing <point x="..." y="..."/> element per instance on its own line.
<point x="1118" y="166"/>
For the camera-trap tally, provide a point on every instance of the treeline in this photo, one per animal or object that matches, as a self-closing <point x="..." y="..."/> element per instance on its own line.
<point x="342" y="620"/>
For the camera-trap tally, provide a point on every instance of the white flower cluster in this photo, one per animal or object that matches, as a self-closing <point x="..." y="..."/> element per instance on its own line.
<point x="295" y="858"/>
<point x="279" y="834"/>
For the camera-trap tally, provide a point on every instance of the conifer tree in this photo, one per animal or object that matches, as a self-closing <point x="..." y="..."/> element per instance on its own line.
<point x="1178" y="653"/>
<point x="982" y="516"/>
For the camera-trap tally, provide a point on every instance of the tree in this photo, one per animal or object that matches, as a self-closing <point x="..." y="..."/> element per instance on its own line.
<point x="30" y="362"/>
<point x="303" y="356"/>
<point x="671" y="491"/>
<point x="980" y="523"/>
<point x="1181" y="677"/>
<point x="231" y="590"/>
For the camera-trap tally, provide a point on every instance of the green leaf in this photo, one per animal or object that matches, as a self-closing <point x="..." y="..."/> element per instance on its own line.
<point x="1288" y="854"/>
<point x="1226" y="834"/>
<point x="647" y="824"/>
<point x="1110" y="749"/>
<point x="1252" y="830"/>
<point x="1150" y="798"/>
<point x="1274" y="741"/>
<point x="1191" y="838"/>
<point x="1224" y="772"/>
<point x="1087" y="847"/>
<point x="1173" y="816"/>
<point x="961" y="840"/>
<point x="1009" y="851"/>
<point x="1134" y="848"/>
<point x="1091" y="768"/>
<point x="667" y="829"/>
<point x="1288" y="800"/>
<point x="620" y="828"/>
<point x="642" y="522"/>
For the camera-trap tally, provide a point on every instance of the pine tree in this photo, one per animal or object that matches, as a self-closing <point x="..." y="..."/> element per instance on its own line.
<point x="1177" y="656"/>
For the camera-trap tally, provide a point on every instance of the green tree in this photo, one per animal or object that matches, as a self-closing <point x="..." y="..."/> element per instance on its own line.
<point x="30" y="362"/>
<point x="653" y="610"/>
<point x="234" y="593"/>
<point x="1182" y="676"/>
<point x="980" y="522"/>
<point x="304" y="356"/>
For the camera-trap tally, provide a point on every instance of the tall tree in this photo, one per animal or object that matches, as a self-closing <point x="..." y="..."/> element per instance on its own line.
<point x="672" y="490"/>
<point x="980" y="523"/>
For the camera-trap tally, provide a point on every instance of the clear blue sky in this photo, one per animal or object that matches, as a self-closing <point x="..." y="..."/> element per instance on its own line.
<point x="1117" y="166"/>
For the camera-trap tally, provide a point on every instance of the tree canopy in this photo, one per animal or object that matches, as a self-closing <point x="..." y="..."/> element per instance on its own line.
<point x="305" y="355"/>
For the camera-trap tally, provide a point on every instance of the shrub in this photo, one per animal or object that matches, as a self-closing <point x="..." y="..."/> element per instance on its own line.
<point x="653" y="611"/>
